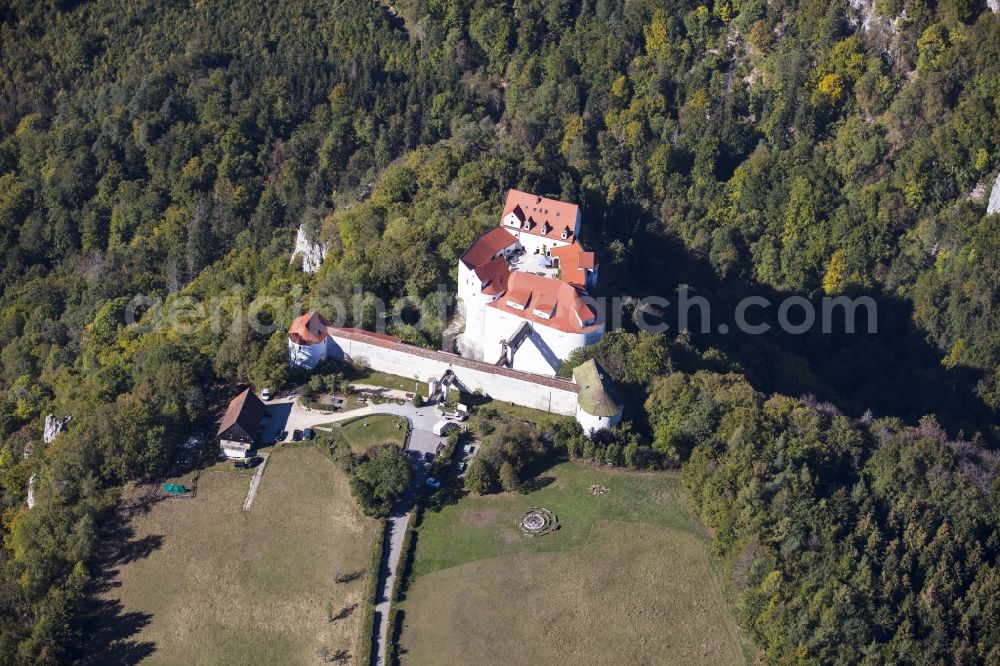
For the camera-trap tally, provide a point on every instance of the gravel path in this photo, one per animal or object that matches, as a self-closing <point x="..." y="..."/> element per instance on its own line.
<point x="254" y="482"/>
<point x="419" y="441"/>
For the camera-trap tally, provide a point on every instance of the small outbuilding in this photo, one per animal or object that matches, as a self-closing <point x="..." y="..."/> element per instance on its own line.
<point x="238" y="429"/>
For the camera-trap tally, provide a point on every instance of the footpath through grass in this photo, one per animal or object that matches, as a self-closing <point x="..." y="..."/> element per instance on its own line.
<point x="626" y="578"/>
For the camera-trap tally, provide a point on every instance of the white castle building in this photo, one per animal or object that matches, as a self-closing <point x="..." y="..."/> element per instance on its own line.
<point x="522" y="288"/>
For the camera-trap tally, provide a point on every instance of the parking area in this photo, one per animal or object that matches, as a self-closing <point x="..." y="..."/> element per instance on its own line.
<point x="465" y="455"/>
<point x="286" y="415"/>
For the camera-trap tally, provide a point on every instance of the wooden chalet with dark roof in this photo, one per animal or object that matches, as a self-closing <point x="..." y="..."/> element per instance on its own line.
<point x="238" y="428"/>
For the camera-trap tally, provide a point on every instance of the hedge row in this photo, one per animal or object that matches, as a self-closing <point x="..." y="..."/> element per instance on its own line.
<point x="366" y="657"/>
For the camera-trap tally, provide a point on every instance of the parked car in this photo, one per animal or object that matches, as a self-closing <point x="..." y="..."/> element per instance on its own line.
<point x="468" y="449"/>
<point x="296" y="435"/>
<point x="247" y="463"/>
<point x="281" y="436"/>
<point x="428" y="456"/>
<point x="308" y="434"/>
<point x="462" y="466"/>
<point x="433" y="483"/>
<point x="266" y="394"/>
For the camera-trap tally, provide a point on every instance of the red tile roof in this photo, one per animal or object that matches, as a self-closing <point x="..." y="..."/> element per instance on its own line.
<point x="309" y="329"/>
<point x="518" y="297"/>
<point x="384" y="337"/>
<point x="573" y="264"/>
<point x="551" y="214"/>
<point x="246" y="410"/>
<point x="494" y="274"/>
<point x="539" y="292"/>
<point x="486" y="246"/>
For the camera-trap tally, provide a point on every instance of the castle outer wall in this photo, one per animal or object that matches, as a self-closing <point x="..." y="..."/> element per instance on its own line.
<point x="549" y="394"/>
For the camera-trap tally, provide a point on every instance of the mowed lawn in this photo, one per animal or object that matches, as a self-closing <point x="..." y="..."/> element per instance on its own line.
<point x="230" y="586"/>
<point x="367" y="431"/>
<point x="626" y="579"/>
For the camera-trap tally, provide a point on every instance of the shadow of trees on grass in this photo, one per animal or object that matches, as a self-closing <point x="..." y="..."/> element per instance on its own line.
<point x="106" y="629"/>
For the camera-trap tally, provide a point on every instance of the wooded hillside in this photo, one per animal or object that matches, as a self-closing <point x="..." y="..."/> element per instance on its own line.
<point x="741" y="147"/>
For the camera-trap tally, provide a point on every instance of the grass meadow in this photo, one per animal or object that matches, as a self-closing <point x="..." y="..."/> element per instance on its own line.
<point x="626" y="578"/>
<point x="365" y="432"/>
<point x="229" y="586"/>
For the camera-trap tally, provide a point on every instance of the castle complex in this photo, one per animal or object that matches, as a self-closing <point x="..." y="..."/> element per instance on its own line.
<point x="523" y="291"/>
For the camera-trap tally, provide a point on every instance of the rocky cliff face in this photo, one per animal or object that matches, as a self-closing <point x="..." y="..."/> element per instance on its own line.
<point x="31" y="491"/>
<point x="994" y="205"/>
<point x="313" y="253"/>
<point x="877" y="29"/>
<point x="53" y="427"/>
<point x="865" y="13"/>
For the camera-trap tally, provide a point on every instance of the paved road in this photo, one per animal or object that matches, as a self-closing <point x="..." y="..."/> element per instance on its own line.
<point x="420" y="441"/>
<point x="287" y="414"/>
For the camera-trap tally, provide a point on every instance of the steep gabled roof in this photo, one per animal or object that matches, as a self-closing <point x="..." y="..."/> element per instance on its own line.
<point x="595" y="390"/>
<point x="527" y="292"/>
<point x="573" y="263"/>
<point x="494" y="274"/>
<point x="246" y="410"/>
<point x="309" y="329"/>
<point x="486" y="246"/>
<point x="542" y="212"/>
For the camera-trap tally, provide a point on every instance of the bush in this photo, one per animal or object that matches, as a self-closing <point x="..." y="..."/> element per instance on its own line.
<point x="508" y="478"/>
<point x="380" y="478"/>
<point x="371" y="592"/>
<point x="480" y="478"/>
<point x="418" y="400"/>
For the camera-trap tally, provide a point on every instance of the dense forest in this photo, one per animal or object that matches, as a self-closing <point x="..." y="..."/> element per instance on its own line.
<point x="172" y="150"/>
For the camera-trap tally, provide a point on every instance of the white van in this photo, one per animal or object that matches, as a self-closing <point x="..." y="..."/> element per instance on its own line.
<point x="442" y="428"/>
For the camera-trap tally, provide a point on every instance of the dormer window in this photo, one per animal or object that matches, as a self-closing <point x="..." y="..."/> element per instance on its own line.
<point x="527" y="224"/>
<point x="546" y="228"/>
<point x="565" y="233"/>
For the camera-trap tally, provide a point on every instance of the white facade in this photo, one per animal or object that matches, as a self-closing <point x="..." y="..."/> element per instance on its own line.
<point x="470" y="284"/>
<point x="233" y="449"/>
<point x="548" y="394"/>
<point x="510" y="350"/>
<point x="542" y="392"/>
<point x="470" y="339"/>
<point x="591" y="423"/>
<point x="532" y="242"/>
<point x="306" y="356"/>
<point x="538" y="226"/>
<point x="542" y="352"/>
